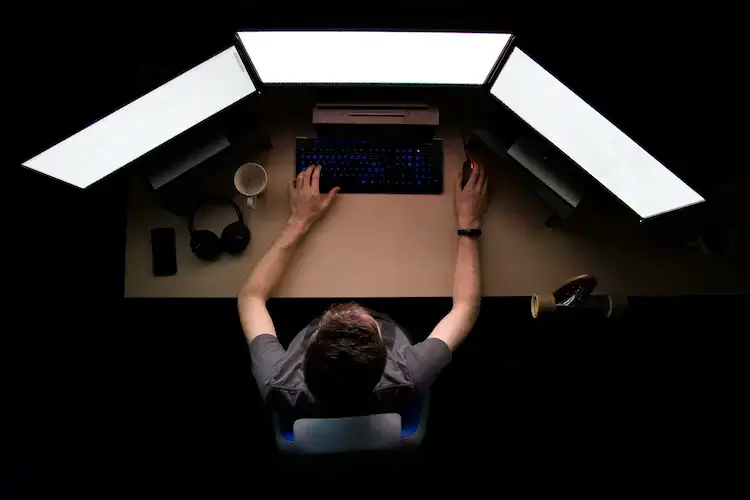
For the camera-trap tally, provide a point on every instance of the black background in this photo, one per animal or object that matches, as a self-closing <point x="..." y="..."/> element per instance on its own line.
<point x="104" y="396"/>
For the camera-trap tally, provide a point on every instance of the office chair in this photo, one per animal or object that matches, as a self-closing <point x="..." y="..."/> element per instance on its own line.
<point x="378" y="432"/>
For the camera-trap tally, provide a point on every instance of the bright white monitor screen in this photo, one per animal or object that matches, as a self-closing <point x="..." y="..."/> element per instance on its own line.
<point x="589" y="139"/>
<point x="320" y="57"/>
<point x="146" y="123"/>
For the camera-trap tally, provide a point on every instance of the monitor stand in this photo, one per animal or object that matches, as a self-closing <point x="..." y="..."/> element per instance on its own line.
<point x="184" y="159"/>
<point x="175" y="171"/>
<point x="551" y="178"/>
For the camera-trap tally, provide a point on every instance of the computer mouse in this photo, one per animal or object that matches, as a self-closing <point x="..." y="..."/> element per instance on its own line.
<point x="466" y="173"/>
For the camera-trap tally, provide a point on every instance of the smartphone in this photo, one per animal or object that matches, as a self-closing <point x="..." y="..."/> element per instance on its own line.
<point x="163" y="251"/>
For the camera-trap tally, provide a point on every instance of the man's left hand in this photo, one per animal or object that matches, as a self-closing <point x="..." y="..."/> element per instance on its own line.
<point x="307" y="203"/>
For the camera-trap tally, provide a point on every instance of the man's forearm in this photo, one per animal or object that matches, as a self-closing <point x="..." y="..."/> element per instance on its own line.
<point x="467" y="280"/>
<point x="270" y="268"/>
<point x="457" y="324"/>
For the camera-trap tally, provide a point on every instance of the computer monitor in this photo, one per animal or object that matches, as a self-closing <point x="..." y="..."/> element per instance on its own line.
<point x="374" y="57"/>
<point x="148" y="122"/>
<point x="588" y="139"/>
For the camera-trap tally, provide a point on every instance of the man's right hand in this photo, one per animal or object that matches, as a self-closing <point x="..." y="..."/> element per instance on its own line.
<point x="471" y="201"/>
<point x="307" y="203"/>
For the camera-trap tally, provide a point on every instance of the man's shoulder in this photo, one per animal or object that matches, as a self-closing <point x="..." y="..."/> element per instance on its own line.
<point x="290" y="376"/>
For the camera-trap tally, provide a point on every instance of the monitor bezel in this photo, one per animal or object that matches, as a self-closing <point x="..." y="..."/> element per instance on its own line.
<point x="260" y="84"/>
<point x="583" y="170"/>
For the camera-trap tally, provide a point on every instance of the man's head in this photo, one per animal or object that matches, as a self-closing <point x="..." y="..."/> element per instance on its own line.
<point x="346" y="356"/>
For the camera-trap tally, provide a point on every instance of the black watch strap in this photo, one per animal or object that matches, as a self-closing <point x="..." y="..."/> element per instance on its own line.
<point x="471" y="233"/>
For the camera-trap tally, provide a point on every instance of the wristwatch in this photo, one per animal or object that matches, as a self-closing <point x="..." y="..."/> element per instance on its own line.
<point x="471" y="233"/>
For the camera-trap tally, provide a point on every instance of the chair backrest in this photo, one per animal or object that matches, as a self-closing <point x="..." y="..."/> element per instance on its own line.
<point x="377" y="432"/>
<point x="348" y="434"/>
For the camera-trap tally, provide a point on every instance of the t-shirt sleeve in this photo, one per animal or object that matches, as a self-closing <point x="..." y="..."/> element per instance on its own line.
<point x="426" y="360"/>
<point x="266" y="352"/>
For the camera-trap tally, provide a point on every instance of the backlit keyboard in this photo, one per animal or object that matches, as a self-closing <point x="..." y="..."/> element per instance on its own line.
<point x="371" y="166"/>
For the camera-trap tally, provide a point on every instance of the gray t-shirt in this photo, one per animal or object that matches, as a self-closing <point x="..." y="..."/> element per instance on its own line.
<point x="409" y="370"/>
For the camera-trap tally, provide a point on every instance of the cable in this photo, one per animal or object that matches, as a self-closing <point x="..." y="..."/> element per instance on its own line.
<point x="463" y="137"/>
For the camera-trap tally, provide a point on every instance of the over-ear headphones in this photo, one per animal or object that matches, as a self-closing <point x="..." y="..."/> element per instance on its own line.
<point x="234" y="238"/>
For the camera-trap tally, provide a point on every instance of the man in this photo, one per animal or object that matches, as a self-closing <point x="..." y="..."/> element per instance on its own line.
<point x="353" y="361"/>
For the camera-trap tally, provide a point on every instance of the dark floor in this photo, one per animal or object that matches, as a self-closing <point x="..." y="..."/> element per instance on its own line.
<point x="625" y="409"/>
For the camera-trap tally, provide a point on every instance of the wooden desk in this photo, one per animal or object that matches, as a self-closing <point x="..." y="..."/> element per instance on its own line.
<point x="404" y="245"/>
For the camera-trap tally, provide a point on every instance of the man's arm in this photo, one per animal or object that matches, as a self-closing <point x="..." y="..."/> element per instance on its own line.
<point x="471" y="204"/>
<point x="307" y="206"/>
<point x="265" y="276"/>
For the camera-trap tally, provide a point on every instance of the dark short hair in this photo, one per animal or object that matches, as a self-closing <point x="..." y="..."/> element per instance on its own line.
<point x="346" y="356"/>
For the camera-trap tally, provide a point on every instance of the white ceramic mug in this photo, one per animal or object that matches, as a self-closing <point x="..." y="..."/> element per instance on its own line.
<point x="251" y="180"/>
